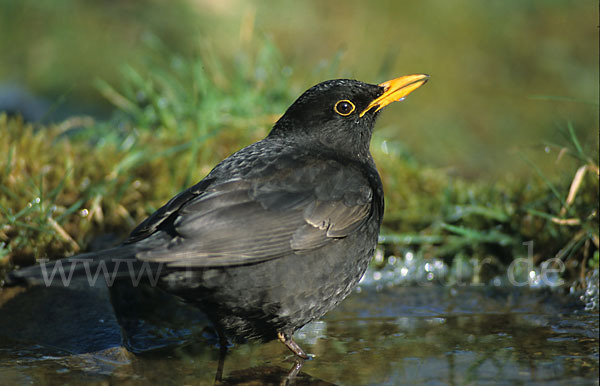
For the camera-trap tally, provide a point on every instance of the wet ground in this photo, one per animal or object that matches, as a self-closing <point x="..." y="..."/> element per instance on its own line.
<point x="380" y="335"/>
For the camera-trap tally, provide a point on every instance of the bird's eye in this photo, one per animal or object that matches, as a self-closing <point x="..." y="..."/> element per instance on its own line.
<point x="344" y="107"/>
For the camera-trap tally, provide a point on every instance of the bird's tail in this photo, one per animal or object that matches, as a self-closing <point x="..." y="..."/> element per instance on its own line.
<point x="107" y="265"/>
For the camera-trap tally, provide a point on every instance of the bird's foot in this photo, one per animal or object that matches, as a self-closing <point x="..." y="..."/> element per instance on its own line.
<point x="286" y="339"/>
<point x="223" y="347"/>
<point x="290" y="378"/>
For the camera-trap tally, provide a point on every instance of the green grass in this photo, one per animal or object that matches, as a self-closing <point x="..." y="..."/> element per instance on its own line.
<point x="441" y="216"/>
<point x="63" y="185"/>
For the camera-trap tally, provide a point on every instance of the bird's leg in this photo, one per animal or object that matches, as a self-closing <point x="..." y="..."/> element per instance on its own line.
<point x="222" y="354"/>
<point x="286" y="339"/>
<point x="291" y="377"/>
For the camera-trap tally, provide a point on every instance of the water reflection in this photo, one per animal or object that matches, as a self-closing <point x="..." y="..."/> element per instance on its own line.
<point x="396" y="335"/>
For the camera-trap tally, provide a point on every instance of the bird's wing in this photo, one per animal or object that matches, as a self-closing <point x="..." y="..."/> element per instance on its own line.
<point x="167" y="212"/>
<point x="245" y="220"/>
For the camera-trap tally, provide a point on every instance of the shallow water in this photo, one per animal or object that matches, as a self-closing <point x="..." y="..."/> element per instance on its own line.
<point x="393" y="335"/>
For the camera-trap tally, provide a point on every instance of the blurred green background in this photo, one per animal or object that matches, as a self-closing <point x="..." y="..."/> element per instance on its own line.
<point x="506" y="75"/>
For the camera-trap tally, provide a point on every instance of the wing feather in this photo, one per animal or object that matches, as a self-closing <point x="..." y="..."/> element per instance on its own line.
<point x="244" y="221"/>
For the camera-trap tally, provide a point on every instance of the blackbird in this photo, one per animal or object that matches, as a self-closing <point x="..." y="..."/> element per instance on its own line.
<point x="275" y="235"/>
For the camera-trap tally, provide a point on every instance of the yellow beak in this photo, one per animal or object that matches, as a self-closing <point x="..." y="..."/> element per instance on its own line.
<point x="396" y="90"/>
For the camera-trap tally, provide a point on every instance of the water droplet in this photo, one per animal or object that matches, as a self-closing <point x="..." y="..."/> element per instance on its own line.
<point x="379" y="256"/>
<point x="85" y="182"/>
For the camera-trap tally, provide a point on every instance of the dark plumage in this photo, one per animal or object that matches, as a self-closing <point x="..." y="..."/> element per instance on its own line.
<point x="280" y="232"/>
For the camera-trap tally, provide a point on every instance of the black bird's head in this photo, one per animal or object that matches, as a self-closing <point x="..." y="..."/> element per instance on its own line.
<point x="340" y="114"/>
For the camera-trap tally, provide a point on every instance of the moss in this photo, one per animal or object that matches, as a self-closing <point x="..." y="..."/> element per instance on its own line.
<point x="63" y="185"/>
